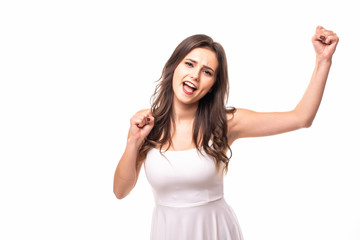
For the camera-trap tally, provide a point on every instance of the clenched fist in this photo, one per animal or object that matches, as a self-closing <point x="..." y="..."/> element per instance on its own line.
<point x="324" y="42"/>
<point x="140" y="126"/>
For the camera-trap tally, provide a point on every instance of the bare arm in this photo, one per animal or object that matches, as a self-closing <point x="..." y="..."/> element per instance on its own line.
<point x="247" y="123"/>
<point x="126" y="173"/>
<point x="310" y="102"/>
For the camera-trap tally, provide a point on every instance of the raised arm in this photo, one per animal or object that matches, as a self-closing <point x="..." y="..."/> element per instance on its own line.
<point x="247" y="123"/>
<point x="126" y="173"/>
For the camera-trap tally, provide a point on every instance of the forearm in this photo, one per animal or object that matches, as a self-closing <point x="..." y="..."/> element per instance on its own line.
<point x="310" y="102"/>
<point x="125" y="174"/>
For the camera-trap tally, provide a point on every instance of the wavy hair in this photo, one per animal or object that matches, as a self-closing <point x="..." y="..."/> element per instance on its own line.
<point x="210" y="125"/>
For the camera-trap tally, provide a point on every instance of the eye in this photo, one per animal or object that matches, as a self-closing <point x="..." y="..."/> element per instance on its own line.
<point x="189" y="64"/>
<point x="208" y="73"/>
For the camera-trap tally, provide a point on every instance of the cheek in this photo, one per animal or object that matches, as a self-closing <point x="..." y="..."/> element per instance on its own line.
<point x="176" y="76"/>
<point x="210" y="84"/>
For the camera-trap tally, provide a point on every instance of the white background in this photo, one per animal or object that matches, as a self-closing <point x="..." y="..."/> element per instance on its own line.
<point x="74" y="72"/>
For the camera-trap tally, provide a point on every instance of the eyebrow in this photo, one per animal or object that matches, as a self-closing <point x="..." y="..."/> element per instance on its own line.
<point x="205" y="66"/>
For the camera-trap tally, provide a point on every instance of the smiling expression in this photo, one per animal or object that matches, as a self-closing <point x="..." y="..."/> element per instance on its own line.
<point x="194" y="76"/>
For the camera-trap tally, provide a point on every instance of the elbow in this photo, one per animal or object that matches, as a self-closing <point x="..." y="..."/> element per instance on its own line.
<point x="303" y="121"/>
<point x="120" y="195"/>
<point x="121" y="189"/>
<point x="306" y="123"/>
<point x="120" y="192"/>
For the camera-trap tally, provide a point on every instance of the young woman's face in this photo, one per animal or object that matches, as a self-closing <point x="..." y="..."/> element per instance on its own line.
<point x="194" y="76"/>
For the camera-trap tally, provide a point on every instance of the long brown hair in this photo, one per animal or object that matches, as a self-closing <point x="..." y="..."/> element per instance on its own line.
<point x="210" y="120"/>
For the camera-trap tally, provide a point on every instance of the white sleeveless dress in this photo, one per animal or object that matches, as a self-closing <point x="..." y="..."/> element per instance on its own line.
<point x="189" y="202"/>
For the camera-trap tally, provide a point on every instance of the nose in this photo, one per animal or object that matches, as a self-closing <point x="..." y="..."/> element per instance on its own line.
<point x="195" y="74"/>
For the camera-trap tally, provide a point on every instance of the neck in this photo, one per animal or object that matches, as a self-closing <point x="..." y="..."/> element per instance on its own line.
<point x="184" y="112"/>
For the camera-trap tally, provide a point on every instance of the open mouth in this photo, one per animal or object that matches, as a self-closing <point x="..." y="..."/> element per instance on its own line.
<point x="189" y="88"/>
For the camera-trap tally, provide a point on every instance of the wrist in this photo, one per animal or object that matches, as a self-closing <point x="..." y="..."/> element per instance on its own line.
<point x="323" y="61"/>
<point x="134" y="143"/>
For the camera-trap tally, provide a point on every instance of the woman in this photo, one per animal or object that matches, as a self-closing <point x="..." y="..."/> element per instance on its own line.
<point x="184" y="138"/>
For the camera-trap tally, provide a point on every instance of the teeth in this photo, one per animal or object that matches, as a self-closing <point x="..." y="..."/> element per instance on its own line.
<point x="190" y="85"/>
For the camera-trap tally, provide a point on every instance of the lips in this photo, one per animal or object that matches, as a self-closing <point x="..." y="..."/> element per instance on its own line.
<point x="190" y="84"/>
<point x="189" y="88"/>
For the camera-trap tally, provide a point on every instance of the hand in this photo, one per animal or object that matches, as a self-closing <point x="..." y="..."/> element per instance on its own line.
<point x="324" y="42"/>
<point x="140" y="126"/>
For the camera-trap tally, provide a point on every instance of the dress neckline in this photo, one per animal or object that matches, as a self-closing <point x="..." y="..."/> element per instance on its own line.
<point x="175" y="151"/>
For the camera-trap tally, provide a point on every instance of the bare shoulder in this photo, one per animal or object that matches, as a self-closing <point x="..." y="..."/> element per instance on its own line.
<point x="240" y="122"/>
<point x="238" y="114"/>
<point x="233" y="120"/>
